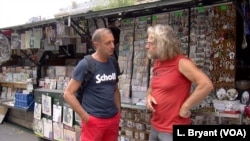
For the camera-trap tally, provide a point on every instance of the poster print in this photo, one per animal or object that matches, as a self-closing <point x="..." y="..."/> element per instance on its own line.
<point x="32" y="40"/>
<point x="37" y="110"/>
<point x="77" y="118"/>
<point x="23" y="41"/>
<point x="15" y="41"/>
<point x="46" y="105"/>
<point x="38" y="127"/>
<point x="68" y="116"/>
<point x="48" y="132"/>
<point x="78" y="130"/>
<point x="69" y="134"/>
<point x="35" y="41"/>
<point x="28" y="37"/>
<point x="3" y="94"/>
<point x="57" y="113"/>
<point x="58" y="131"/>
<point x="9" y="93"/>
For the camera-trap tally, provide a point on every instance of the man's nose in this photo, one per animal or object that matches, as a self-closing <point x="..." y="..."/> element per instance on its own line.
<point x="112" y="45"/>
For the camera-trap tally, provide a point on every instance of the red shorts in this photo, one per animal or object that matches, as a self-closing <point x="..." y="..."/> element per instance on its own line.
<point x="101" y="129"/>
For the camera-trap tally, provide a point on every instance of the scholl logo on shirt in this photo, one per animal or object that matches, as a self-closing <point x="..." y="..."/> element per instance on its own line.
<point x="105" y="77"/>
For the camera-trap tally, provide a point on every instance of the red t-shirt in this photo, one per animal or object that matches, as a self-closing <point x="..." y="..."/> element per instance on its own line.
<point x="170" y="89"/>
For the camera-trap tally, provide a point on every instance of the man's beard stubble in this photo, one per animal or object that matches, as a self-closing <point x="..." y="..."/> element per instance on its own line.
<point x="151" y="56"/>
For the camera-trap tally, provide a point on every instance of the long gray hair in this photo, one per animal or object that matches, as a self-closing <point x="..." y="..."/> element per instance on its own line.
<point x="166" y="40"/>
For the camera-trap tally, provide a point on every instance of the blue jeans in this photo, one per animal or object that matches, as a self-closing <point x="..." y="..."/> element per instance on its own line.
<point x="159" y="136"/>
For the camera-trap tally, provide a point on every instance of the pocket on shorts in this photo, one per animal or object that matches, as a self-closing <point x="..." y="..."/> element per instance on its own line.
<point x="89" y="120"/>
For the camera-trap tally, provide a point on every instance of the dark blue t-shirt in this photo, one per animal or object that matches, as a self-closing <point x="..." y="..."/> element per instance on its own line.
<point x="98" y="97"/>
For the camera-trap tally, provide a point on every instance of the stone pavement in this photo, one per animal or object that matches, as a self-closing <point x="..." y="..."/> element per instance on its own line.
<point x="12" y="132"/>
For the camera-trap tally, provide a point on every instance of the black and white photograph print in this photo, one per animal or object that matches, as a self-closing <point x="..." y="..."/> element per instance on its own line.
<point x="48" y="130"/>
<point x="57" y="113"/>
<point x="32" y="40"/>
<point x="15" y="41"/>
<point x="67" y="116"/>
<point x="37" y="110"/>
<point x="245" y="97"/>
<point x="38" y="126"/>
<point x="77" y="118"/>
<point x="58" y="131"/>
<point x="69" y="135"/>
<point x="46" y="105"/>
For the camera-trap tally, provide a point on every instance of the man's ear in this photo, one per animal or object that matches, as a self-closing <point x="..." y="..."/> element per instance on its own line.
<point x="96" y="44"/>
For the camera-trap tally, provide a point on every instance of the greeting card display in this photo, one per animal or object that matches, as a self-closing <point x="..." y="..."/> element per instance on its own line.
<point x="126" y="57"/>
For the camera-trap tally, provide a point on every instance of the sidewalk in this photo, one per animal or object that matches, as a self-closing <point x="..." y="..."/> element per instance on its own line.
<point x="12" y="132"/>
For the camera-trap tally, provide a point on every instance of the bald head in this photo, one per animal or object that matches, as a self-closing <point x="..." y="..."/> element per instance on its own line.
<point x="97" y="35"/>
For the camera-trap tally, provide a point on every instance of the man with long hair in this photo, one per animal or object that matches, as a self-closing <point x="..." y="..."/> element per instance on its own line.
<point x="168" y="95"/>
